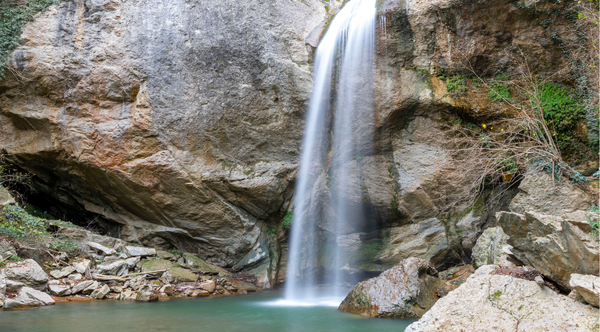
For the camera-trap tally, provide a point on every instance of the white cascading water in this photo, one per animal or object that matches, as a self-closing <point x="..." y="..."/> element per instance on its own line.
<point x="346" y="52"/>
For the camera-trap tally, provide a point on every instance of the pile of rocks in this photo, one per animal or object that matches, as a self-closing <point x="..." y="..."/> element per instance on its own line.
<point x="122" y="272"/>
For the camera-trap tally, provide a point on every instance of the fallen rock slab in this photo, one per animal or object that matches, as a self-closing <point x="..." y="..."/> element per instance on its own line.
<point x="105" y="250"/>
<point x="407" y="290"/>
<point x="100" y="293"/>
<point x="29" y="297"/>
<point x="487" y="302"/>
<point x="552" y="245"/>
<point x="588" y="287"/>
<point x="60" y="290"/>
<point x="140" y="251"/>
<point x="81" y="286"/>
<point x="81" y="266"/>
<point x="59" y="274"/>
<point x="27" y="273"/>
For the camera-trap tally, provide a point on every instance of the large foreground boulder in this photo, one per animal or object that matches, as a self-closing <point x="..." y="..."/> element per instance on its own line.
<point x="28" y="297"/>
<point x="2" y="290"/>
<point x="488" y="302"/>
<point x="552" y="245"/>
<point x="26" y="273"/>
<point x="406" y="290"/>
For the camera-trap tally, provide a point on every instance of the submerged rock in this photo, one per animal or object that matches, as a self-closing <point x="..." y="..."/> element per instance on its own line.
<point x="555" y="247"/>
<point x="27" y="273"/>
<point x="407" y="290"/>
<point x="488" y="302"/>
<point x="588" y="287"/>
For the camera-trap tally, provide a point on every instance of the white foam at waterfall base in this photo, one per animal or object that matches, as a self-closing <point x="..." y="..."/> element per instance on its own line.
<point x="350" y="40"/>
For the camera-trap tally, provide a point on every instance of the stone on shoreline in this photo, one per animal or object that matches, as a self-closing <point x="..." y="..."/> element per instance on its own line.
<point x="81" y="286"/>
<point x="27" y="273"/>
<point x="101" y="292"/>
<point x="146" y="297"/>
<point x="407" y="290"/>
<point x="60" y="290"/>
<point x="59" y="274"/>
<point x="28" y="297"/>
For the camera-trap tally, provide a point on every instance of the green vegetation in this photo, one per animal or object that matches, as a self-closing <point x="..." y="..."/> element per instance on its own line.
<point x="12" y="259"/>
<point x="65" y="246"/>
<point x="226" y="165"/>
<point x="499" y="90"/>
<point x="13" y="17"/>
<point x="287" y="220"/>
<point x="272" y="230"/>
<point x="563" y="111"/>
<point x="15" y="222"/>
<point x="174" y="252"/>
<point x="496" y="295"/>
<point x="594" y="221"/>
<point x="457" y="85"/>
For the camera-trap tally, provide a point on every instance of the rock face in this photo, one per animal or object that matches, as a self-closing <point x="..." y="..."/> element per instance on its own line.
<point x="552" y="245"/>
<point x="179" y="122"/>
<point x="5" y="198"/>
<point x="587" y="286"/>
<point x="26" y="273"/>
<point x="407" y="290"/>
<point x="489" y="302"/>
<point x="2" y="289"/>
<point x="489" y="248"/>
<point x="539" y="193"/>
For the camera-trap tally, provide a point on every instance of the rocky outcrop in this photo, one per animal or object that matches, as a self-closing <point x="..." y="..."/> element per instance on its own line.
<point x="588" y="286"/>
<point x="539" y="192"/>
<point x="27" y="273"/>
<point x="407" y="290"/>
<point x="552" y="245"/>
<point x="488" y="302"/>
<point x="28" y="297"/>
<point x="491" y="248"/>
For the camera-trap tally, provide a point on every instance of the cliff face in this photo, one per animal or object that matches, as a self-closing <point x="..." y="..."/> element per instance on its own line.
<point x="181" y="121"/>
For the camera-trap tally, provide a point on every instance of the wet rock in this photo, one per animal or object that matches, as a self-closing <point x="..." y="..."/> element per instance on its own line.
<point x="488" y="249"/>
<point x="60" y="290"/>
<point x="28" y="297"/>
<point x="104" y="250"/>
<point x="100" y="293"/>
<point x="140" y="251"/>
<point x="146" y="297"/>
<point x="26" y="273"/>
<point x="240" y="285"/>
<point x="198" y="293"/>
<point x="555" y="247"/>
<point x="59" y="274"/>
<point x="587" y="286"/>
<point x="407" y="290"/>
<point x="489" y="302"/>
<point x="83" y="285"/>
<point x="537" y="192"/>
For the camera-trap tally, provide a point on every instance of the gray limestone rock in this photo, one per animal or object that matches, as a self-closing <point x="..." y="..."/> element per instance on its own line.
<point x="26" y="273"/>
<point x="588" y="286"/>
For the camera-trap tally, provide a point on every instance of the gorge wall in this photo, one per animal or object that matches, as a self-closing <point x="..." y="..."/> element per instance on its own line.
<point x="180" y="122"/>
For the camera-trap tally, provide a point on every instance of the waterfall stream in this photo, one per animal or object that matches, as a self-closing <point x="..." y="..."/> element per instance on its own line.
<point x="339" y="131"/>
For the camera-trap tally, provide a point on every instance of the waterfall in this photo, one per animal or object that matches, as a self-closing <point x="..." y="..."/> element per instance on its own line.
<point x="343" y="83"/>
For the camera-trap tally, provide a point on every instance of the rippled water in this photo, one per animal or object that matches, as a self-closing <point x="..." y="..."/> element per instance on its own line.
<point x="258" y="312"/>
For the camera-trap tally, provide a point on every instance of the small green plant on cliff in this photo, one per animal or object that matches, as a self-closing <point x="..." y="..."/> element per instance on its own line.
<point x="65" y="246"/>
<point x="594" y="221"/>
<point x="13" y="16"/>
<point x="287" y="220"/>
<point x="457" y="85"/>
<point x="16" y="223"/>
<point x="499" y="90"/>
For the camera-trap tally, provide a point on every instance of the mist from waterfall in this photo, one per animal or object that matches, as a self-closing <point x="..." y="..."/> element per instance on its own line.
<point x="339" y="131"/>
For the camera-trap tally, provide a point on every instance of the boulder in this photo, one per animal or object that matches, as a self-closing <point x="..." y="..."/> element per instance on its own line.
<point x="167" y="289"/>
<point x="60" y="290"/>
<point x="5" y="198"/>
<point x="101" y="292"/>
<point x="198" y="293"/>
<point x="180" y="274"/>
<point x="165" y="255"/>
<point x="197" y="264"/>
<point x="555" y="247"/>
<point x="538" y="192"/>
<point x="407" y="290"/>
<point x="146" y="297"/>
<point x="118" y="267"/>
<point x="104" y="250"/>
<point x="587" y="286"/>
<point x="82" y="265"/>
<point x="488" y="249"/>
<point x="240" y="285"/>
<point x="139" y="251"/>
<point x="75" y="276"/>
<point x="28" y="297"/>
<point x="487" y="302"/>
<point x="156" y="265"/>
<point x="59" y="274"/>
<point x="82" y="285"/>
<point x="208" y="286"/>
<point x="26" y="273"/>
<point x="91" y="288"/>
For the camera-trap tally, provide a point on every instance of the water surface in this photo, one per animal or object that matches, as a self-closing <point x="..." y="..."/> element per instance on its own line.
<point x="258" y="312"/>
